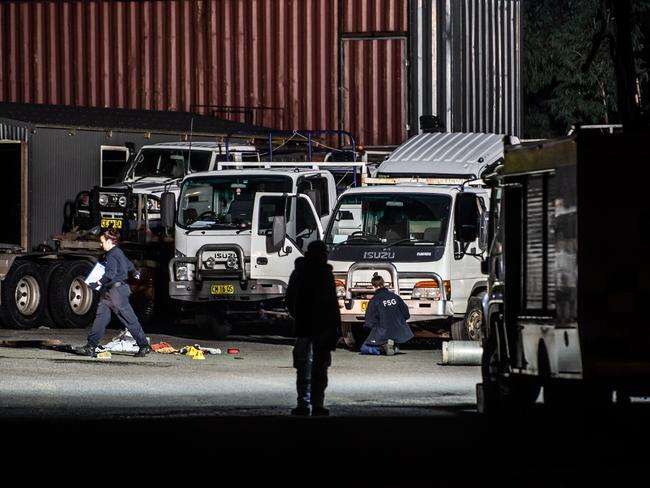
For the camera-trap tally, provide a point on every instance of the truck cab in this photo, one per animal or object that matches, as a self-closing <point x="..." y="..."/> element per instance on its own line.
<point x="238" y="233"/>
<point x="418" y="222"/>
<point x="565" y="308"/>
<point x="422" y="239"/>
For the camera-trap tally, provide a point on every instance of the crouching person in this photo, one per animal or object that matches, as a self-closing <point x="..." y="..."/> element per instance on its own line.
<point x="386" y="318"/>
<point x="311" y="300"/>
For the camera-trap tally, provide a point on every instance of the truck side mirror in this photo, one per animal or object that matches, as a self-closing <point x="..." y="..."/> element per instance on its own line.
<point x="467" y="217"/>
<point x="167" y="209"/>
<point x="278" y="232"/>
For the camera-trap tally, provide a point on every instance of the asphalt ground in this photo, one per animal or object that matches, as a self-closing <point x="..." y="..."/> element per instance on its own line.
<point x="45" y="379"/>
<point x="405" y="420"/>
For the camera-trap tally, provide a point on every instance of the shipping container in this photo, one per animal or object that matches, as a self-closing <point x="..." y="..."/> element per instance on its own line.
<point x="370" y="67"/>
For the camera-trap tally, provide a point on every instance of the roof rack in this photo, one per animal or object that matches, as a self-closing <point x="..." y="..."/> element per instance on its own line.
<point x="341" y="165"/>
<point x="308" y="136"/>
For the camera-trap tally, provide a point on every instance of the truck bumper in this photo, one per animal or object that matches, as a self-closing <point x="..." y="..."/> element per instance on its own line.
<point x="354" y="310"/>
<point x="225" y="291"/>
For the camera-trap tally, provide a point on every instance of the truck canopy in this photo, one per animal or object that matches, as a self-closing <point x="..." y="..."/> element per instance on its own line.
<point x="440" y="154"/>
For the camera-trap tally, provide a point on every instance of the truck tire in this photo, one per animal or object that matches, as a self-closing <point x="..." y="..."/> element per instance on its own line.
<point x="218" y="327"/>
<point x="458" y="331"/>
<point x="513" y="394"/>
<point x="469" y="329"/>
<point x="71" y="303"/>
<point x="23" y="296"/>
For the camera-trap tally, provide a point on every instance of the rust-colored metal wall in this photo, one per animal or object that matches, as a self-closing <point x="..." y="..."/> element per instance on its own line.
<point x="268" y="62"/>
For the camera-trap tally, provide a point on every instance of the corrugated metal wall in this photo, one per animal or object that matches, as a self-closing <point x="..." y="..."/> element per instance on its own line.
<point x="486" y="53"/>
<point x="478" y="77"/>
<point x="268" y="62"/>
<point x="466" y="66"/>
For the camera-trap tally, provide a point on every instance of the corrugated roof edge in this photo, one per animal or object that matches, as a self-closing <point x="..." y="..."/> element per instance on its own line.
<point x="40" y="115"/>
<point x="445" y="153"/>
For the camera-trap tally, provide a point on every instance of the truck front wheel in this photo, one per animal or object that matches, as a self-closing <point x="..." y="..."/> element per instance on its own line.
<point x="72" y="303"/>
<point x="469" y="328"/>
<point x="23" y="296"/>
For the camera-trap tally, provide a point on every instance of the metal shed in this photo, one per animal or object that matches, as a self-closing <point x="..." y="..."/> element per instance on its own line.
<point x="51" y="153"/>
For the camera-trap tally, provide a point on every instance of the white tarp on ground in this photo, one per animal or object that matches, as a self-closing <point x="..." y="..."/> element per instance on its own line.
<point x="123" y="342"/>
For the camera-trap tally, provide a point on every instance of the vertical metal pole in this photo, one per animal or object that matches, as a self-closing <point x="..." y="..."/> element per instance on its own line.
<point x="309" y="141"/>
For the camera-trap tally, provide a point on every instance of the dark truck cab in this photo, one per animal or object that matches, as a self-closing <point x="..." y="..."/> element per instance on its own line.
<point x="568" y="274"/>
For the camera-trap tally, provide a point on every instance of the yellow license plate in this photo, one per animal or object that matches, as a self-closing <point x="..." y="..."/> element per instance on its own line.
<point x="115" y="223"/>
<point x="222" y="290"/>
<point x="364" y="306"/>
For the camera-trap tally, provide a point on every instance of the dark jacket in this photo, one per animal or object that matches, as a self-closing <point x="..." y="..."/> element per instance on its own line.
<point x="311" y="301"/>
<point x="117" y="269"/>
<point x="386" y="315"/>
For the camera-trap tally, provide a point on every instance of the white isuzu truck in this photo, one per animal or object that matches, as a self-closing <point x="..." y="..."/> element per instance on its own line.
<point x="239" y="231"/>
<point x="418" y="223"/>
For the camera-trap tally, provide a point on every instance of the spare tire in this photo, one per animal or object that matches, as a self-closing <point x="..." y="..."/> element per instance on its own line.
<point x="23" y="296"/>
<point x="72" y="303"/>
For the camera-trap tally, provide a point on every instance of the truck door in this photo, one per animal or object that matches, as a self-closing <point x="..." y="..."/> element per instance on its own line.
<point x="282" y="228"/>
<point x="466" y="267"/>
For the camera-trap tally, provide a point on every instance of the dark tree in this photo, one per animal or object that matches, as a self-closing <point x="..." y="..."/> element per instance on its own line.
<point x="585" y="62"/>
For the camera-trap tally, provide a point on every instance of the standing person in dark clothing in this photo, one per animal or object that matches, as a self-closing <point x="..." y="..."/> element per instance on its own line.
<point x="386" y="316"/>
<point x="311" y="300"/>
<point x="114" y="297"/>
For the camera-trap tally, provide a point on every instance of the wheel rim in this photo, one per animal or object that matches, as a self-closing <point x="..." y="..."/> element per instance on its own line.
<point x="474" y="325"/>
<point x="80" y="297"/>
<point x="28" y="295"/>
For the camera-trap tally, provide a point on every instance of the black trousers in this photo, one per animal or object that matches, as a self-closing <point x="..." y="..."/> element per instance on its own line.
<point x="311" y="360"/>
<point x="116" y="300"/>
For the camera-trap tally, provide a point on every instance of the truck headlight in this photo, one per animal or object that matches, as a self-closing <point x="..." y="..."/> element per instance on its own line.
<point x="122" y="201"/>
<point x="103" y="199"/>
<point x="182" y="272"/>
<point x="429" y="290"/>
<point x="340" y="288"/>
<point x="231" y="263"/>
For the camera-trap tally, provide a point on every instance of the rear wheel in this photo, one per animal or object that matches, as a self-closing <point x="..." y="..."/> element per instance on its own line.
<point x="72" y="303"/>
<point x="23" y="296"/>
<point x="514" y="393"/>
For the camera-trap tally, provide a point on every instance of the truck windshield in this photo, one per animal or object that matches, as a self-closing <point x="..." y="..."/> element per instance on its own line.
<point x="168" y="163"/>
<point x="389" y="219"/>
<point x="224" y="202"/>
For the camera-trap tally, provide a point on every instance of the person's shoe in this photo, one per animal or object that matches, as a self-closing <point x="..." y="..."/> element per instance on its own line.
<point x="389" y="347"/>
<point x="86" y="350"/>
<point x="143" y="351"/>
<point x="300" y="411"/>
<point x="320" y="412"/>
